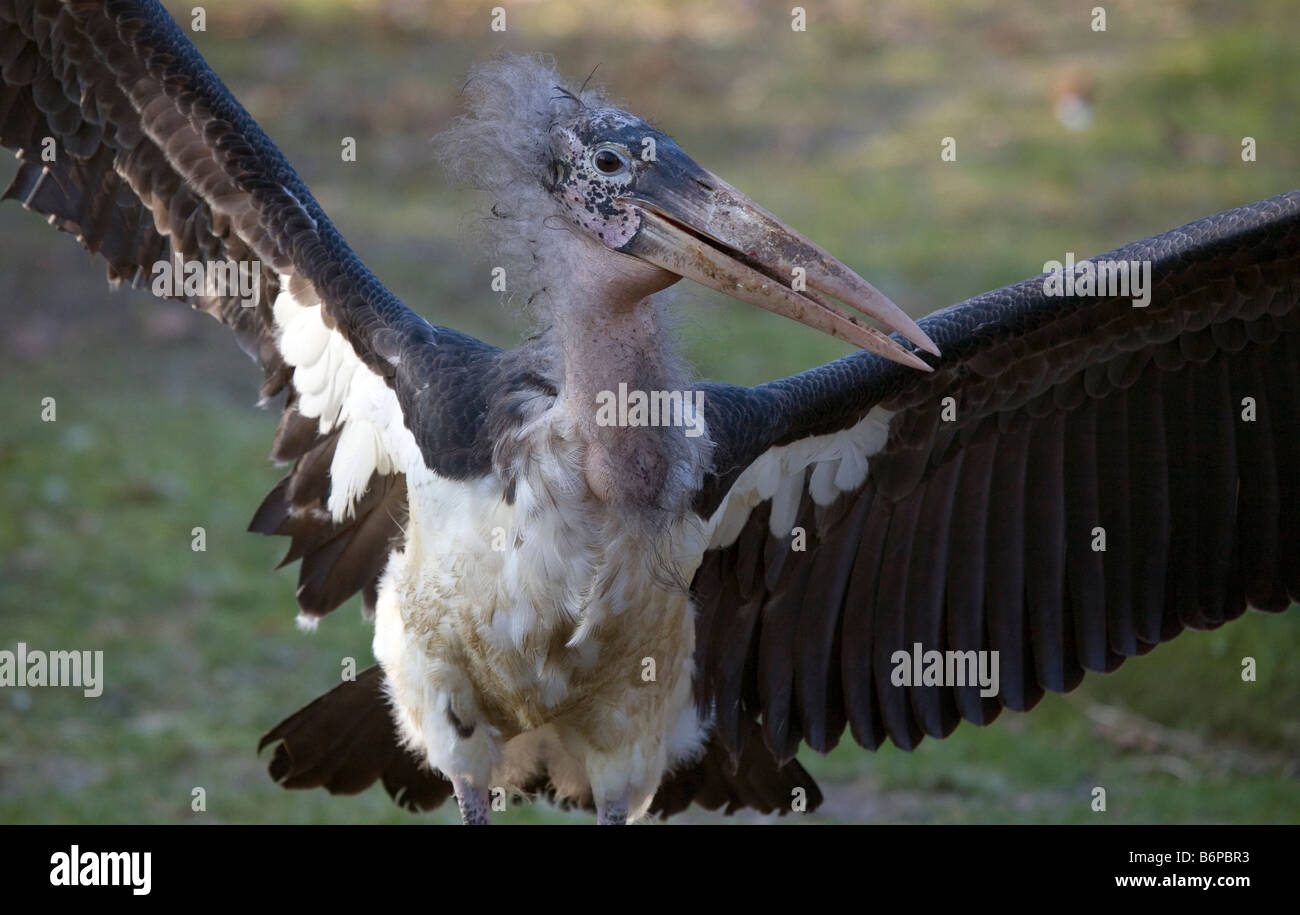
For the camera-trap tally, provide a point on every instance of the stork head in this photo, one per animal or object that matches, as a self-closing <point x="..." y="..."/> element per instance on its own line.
<point x="626" y="189"/>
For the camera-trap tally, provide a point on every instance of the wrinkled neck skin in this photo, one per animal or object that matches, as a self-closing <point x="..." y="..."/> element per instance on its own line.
<point x="611" y="331"/>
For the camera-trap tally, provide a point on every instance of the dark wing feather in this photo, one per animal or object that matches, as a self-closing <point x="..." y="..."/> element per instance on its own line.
<point x="1167" y="434"/>
<point x="346" y="740"/>
<point x="154" y="161"/>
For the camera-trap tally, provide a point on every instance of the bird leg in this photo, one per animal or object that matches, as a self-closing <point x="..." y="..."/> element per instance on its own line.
<point x="475" y="807"/>
<point x="613" y="812"/>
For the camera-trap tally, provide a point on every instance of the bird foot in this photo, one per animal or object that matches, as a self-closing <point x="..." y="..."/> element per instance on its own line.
<point x="475" y="807"/>
<point x="612" y="813"/>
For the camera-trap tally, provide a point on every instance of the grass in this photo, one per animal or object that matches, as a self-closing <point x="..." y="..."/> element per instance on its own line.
<point x="838" y="131"/>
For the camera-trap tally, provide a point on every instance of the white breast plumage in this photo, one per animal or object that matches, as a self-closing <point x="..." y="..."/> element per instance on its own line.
<point x="542" y="630"/>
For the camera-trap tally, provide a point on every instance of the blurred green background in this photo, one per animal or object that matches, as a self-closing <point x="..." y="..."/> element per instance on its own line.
<point x="1067" y="140"/>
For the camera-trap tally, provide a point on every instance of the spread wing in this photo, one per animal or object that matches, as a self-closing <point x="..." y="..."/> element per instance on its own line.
<point x="130" y="142"/>
<point x="1078" y="480"/>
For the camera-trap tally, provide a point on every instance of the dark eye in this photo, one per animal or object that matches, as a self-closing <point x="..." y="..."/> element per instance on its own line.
<point x="608" y="162"/>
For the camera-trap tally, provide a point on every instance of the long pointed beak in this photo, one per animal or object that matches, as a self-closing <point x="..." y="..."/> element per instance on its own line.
<point x="704" y="229"/>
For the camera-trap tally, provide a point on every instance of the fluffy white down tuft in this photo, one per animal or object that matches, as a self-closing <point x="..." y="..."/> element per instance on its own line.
<point x="500" y="146"/>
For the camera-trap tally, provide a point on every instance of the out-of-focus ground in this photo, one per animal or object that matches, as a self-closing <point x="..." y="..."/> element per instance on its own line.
<point x="836" y="129"/>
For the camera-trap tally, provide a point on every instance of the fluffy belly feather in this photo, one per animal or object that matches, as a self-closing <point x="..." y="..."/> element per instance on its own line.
<point x="549" y="632"/>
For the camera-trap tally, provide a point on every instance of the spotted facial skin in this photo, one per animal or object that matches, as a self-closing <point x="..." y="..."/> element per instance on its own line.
<point x="593" y="165"/>
<point x="602" y="156"/>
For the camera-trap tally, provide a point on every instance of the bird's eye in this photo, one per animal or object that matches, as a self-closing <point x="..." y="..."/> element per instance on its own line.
<point x="608" y="162"/>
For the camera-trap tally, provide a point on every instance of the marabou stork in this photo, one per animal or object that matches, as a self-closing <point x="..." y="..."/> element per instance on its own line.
<point x="770" y="567"/>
